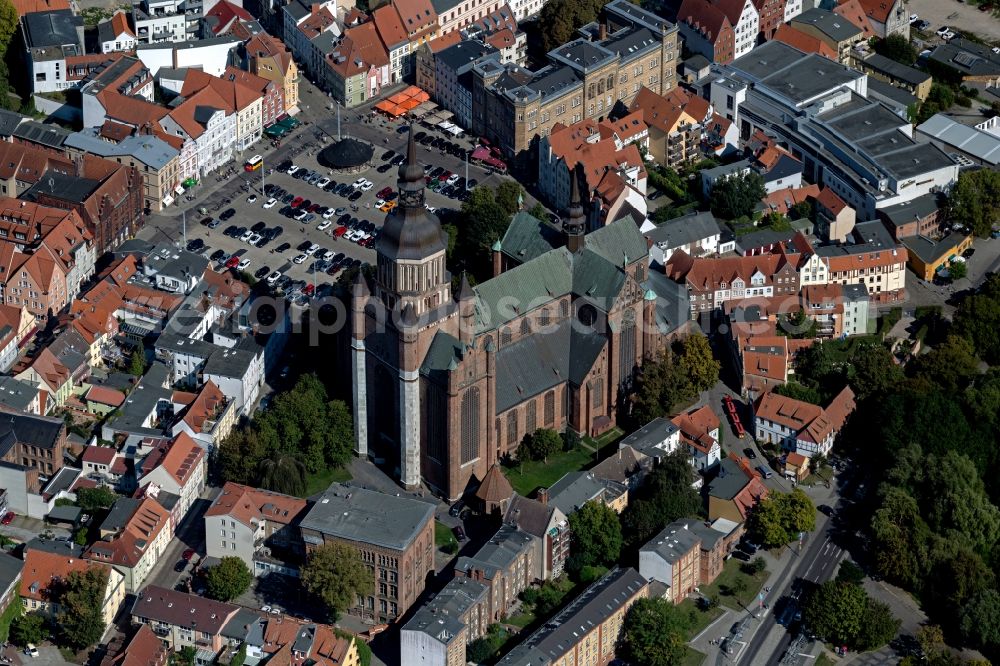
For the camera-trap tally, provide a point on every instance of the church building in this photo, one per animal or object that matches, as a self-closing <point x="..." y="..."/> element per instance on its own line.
<point x="445" y="386"/>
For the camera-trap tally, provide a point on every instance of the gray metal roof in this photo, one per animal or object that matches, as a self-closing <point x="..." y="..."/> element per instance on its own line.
<point x="730" y="481"/>
<point x="591" y="608"/>
<point x="147" y="149"/>
<point x="460" y="57"/>
<point x="981" y="145"/>
<point x="582" y="55"/>
<point x="9" y="120"/>
<point x="914" y="209"/>
<point x="10" y="570"/>
<point x="648" y="436"/>
<point x="685" y="229"/>
<point x="366" y="516"/>
<point x="895" y="70"/>
<point x="443" y="616"/>
<point x="121" y="512"/>
<point x="930" y="251"/>
<point x="63" y="186"/>
<point x="33" y="131"/>
<point x="528" y="237"/>
<point x="17" y="394"/>
<point x="575" y="489"/>
<point x="52" y="28"/>
<point x="674" y="541"/>
<point x="497" y="554"/>
<point x="855" y="292"/>
<point x="834" y="26"/>
<point x="229" y="362"/>
<point x="887" y="93"/>
<point x="40" y="431"/>
<point x="142" y="401"/>
<point x="968" y="58"/>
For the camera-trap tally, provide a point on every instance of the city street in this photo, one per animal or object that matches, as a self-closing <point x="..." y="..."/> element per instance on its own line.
<point x="190" y="534"/>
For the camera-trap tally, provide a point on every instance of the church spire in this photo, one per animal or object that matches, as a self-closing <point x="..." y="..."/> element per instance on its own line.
<point x="411" y="174"/>
<point x="575" y="222"/>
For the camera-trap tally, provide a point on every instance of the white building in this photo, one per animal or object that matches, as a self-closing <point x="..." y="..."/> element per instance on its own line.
<point x="178" y="468"/>
<point x="211" y="56"/>
<point x="239" y="374"/>
<point x="800" y="426"/>
<point x="116" y="34"/>
<point x="745" y="29"/>
<point x="697" y="234"/>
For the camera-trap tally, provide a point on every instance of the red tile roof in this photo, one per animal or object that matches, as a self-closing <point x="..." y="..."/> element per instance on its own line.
<point x="417" y="16"/>
<point x="358" y="51"/>
<point x="31" y="6"/>
<point x="127" y="547"/>
<point x="101" y="455"/>
<point x="42" y="569"/>
<point x="144" y="649"/>
<point x="105" y="396"/>
<point x="120" y="26"/>
<point x="704" y="17"/>
<point x="226" y="13"/>
<point x="781" y="201"/>
<point x="389" y="26"/>
<point x="696" y="426"/>
<point x="182" y="458"/>
<point x="829" y="200"/>
<point x="877" y="9"/>
<point x="207" y="405"/>
<point x="244" y="504"/>
<point x="665" y="111"/>
<point x="855" y="13"/>
<point x="803" y="42"/>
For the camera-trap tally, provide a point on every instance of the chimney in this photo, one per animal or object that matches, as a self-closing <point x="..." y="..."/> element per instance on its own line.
<point x="543" y="496"/>
<point x="314" y="9"/>
<point x="602" y="31"/>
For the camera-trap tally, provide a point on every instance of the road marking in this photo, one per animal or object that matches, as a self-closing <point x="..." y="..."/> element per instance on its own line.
<point x="807" y="656"/>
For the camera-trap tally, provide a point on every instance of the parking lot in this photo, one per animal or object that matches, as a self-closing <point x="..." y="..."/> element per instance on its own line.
<point x="241" y="201"/>
<point x="964" y="18"/>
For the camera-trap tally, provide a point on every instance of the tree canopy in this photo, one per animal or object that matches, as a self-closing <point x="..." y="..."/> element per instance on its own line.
<point x="898" y="48"/>
<point x="678" y="375"/>
<point x="666" y="495"/>
<point x="974" y="200"/>
<point x="737" y="195"/>
<point x="81" y="596"/>
<point x="228" y="579"/>
<point x="335" y="574"/>
<point x="596" y="537"/>
<point x="27" y="628"/>
<point x="844" y="613"/>
<point x="92" y="499"/>
<point x="539" y="445"/>
<point x="780" y="517"/>
<point x="561" y="19"/>
<point x="301" y="432"/>
<point x="655" y="633"/>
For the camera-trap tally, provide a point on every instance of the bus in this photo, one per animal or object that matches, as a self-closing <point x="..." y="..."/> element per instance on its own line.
<point x="254" y="163"/>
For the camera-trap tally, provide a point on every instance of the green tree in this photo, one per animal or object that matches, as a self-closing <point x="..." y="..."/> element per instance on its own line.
<point x="755" y="566"/>
<point x="898" y="48"/>
<point x="980" y="620"/>
<point x="951" y="365"/>
<point x="850" y="572"/>
<point x="977" y="318"/>
<point x="27" y="628"/>
<point x="737" y="195"/>
<point x="834" y="611"/>
<point x="797" y="325"/>
<point x="283" y="473"/>
<point x="878" y="626"/>
<point x="596" y="536"/>
<point x="228" y="579"/>
<point x="793" y="389"/>
<point x="803" y="210"/>
<point x="958" y="270"/>
<point x="486" y="647"/>
<point x="80" y="537"/>
<point x="81" y="596"/>
<point x="509" y="197"/>
<point x="8" y="24"/>
<point x="486" y="221"/>
<point x="775" y="221"/>
<point x="939" y="99"/>
<point x="697" y="363"/>
<point x="184" y="657"/>
<point x="92" y="499"/>
<point x="666" y="495"/>
<point x="538" y="212"/>
<point x="655" y="633"/>
<point x="873" y="370"/>
<point x="137" y="362"/>
<point x="899" y="539"/>
<point x="974" y="200"/>
<point x="335" y="574"/>
<point x="539" y="445"/>
<point x="780" y="517"/>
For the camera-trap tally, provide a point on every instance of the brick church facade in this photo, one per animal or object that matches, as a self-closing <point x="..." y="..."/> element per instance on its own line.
<point x="445" y="386"/>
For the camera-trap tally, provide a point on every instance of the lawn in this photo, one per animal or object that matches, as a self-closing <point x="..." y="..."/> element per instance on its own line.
<point x="521" y="620"/>
<point x="320" y="481"/>
<point x="693" y="658"/>
<point x="702" y="618"/>
<point x="525" y="478"/>
<point x="823" y="475"/>
<point x="723" y="585"/>
<point x="609" y="438"/>
<point x="443" y="536"/>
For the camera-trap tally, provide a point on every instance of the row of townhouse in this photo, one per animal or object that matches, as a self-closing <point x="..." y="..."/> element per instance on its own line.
<point x="219" y="630"/>
<point x="801" y="427"/>
<point x="875" y="260"/>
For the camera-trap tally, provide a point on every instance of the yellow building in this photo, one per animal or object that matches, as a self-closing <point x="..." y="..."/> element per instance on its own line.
<point x="270" y="59"/>
<point x="927" y="257"/>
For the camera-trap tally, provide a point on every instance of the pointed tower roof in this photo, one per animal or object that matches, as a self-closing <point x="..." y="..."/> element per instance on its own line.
<point x="408" y="317"/>
<point x="495" y="487"/>
<point x="465" y="292"/>
<point x="359" y="288"/>
<point x="410" y="231"/>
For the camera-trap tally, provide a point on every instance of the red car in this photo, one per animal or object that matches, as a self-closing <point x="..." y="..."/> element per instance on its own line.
<point x="315" y="207"/>
<point x="384" y="192"/>
<point x="309" y="289"/>
<point x="339" y="231"/>
<point x="8" y="517"/>
<point x="296" y="202"/>
<point x="188" y="554"/>
<point x="233" y="262"/>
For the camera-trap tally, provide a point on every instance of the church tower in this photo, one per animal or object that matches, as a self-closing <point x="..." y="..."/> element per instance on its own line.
<point x="396" y="322"/>
<point x="411" y="251"/>
<point x="575" y="222"/>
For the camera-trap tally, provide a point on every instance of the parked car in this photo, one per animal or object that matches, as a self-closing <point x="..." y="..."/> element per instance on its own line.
<point x="325" y="224"/>
<point x="7" y="518"/>
<point x="456" y="508"/>
<point x="749" y="453"/>
<point x="300" y="259"/>
<point x="273" y="277"/>
<point x="270" y="203"/>
<point x="460" y="533"/>
<point x="180" y="566"/>
<point x="284" y="247"/>
<point x="252" y="198"/>
<point x="262" y="272"/>
<point x="764" y="471"/>
<point x="227" y="214"/>
<point x="243" y="265"/>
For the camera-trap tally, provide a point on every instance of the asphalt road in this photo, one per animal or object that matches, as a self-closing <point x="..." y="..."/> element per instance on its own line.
<point x="817" y="563"/>
<point x="190" y="534"/>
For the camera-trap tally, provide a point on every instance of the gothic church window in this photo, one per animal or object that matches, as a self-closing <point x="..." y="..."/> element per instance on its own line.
<point x="597" y="393"/>
<point x="550" y="408"/>
<point x="470" y="425"/>
<point x="511" y="428"/>
<point x="525" y="326"/>
<point x="505" y="337"/>
<point x="530" y="418"/>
